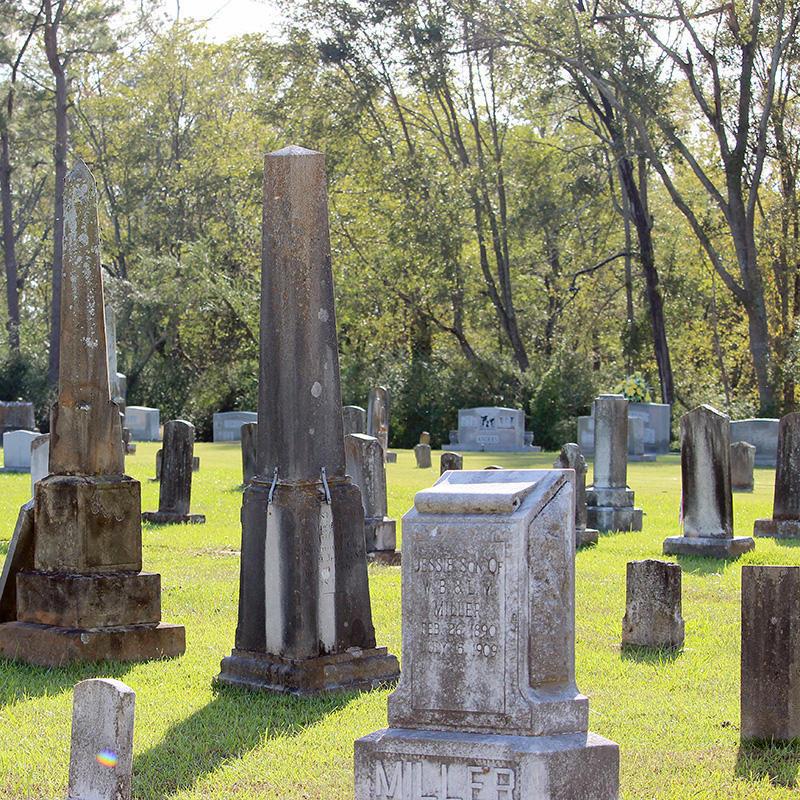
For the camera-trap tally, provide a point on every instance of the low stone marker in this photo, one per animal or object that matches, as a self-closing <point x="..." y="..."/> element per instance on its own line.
<point x="785" y="522"/>
<point x="40" y="459"/>
<point x="450" y="460"/>
<point x="144" y="423"/>
<point x="422" y="452"/>
<point x="770" y="681"/>
<point x="249" y="433"/>
<point x="571" y="458"/>
<point x="160" y="460"/>
<point x="17" y="450"/>
<point x="707" y="508"/>
<point x="101" y="751"/>
<point x="364" y="464"/>
<point x="610" y="503"/>
<point x="487" y="705"/>
<point x="354" y="419"/>
<point x="653" y="605"/>
<point x="743" y="459"/>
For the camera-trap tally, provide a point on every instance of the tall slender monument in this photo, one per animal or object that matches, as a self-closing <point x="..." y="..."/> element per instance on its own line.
<point x="87" y="598"/>
<point x="305" y="622"/>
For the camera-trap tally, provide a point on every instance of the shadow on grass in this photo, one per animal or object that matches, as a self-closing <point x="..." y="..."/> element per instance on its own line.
<point x="19" y="681"/>
<point x="704" y="565"/>
<point x="649" y="655"/>
<point x="235" y="489"/>
<point x="779" y="762"/>
<point x="786" y="542"/>
<point x="233" y="723"/>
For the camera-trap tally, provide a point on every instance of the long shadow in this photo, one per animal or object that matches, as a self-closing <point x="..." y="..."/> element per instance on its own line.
<point x="778" y="762"/>
<point x="650" y="655"/>
<point x="704" y="565"/>
<point x="233" y="723"/>
<point x="786" y="542"/>
<point x="19" y="681"/>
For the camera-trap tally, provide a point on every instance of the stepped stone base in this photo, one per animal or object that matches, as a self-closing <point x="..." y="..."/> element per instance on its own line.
<point x="586" y="537"/>
<point x="777" y="528"/>
<point x="400" y="763"/>
<point x="50" y="646"/>
<point x="170" y="518"/>
<point x="352" y="671"/>
<point x="611" y="518"/>
<point x="715" y="547"/>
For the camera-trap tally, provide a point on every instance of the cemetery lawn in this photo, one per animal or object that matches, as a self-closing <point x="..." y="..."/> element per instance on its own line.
<point x="675" y="716"/>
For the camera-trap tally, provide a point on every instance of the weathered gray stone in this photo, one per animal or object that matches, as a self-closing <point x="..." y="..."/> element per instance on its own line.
<point x="101" y="751"/>
<point x="657" y="422"/>
<point x="227" y="425"/>
<point x="450" y="460"/>
<point x="17" y="450"/>
<point x="707" y="508"/>
<point x="19" y="558"/>
<point x="364" y="464"/>
<point x="425" y="438"/>
<point x="127" y="444"/>
<point x="16" y="416"/>
<point x="378" y="416"/>
<point x="571" y="458"/>
<point x="487" y="705"/>
<point x="743" y="459"/>
<point x="249" y="433"/>
<point x="762" y="433"/>
<point x="144" y="423"/>
<point x="488" y="428"/>
<point x="86" y="512"/>
<point x="40" y="459"/>
<point x="785" y="522"/>
<point x="610" y="504"/>
<point x="653" y="605"/>
<point x="160" y="458"/>
<point x="422" y="452"/>
<point x="305" y="621"/>
<point x="770" y="680"/>
<point x="175" y="491"/>
<point x="117" y="386"/>
<point x="354" y="419"/>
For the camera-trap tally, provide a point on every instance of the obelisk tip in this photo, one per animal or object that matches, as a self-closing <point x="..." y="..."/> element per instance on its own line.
<point x="295" y="150"/>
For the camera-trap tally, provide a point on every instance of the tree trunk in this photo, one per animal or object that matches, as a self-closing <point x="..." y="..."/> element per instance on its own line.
<point x="9" y="251"/>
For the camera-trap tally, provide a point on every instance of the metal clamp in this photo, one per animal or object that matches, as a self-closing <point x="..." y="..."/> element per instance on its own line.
<point x="325" y="484"/>
<point x="272" y="488"/>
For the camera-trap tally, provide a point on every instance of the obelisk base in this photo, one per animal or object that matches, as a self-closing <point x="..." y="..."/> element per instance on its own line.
<point x="612" y="510"/>
<point x="399" y="762"/>
<point x="351" y="671"/>
<point x="777" y="528"/>
<point x="50" y="646"/>
<point x="172" y="518"/>
<point x="711" y="546"/>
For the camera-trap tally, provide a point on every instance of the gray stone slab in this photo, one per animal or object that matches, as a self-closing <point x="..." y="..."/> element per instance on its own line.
<point x="656" y="418"/>
<point x="610" y="442"/>
<point x="144" y="423"/>
<point x="571" y="457"/>
<point x="653" y="605"/>
<point x="16" y="415"/>
<point x="40" y="459"/>
<point x="743" y="457"/>
<point x="19" y="558"/>
<point x="378" y="416"/>
<point x="785" y="522"/>
<point x="422" y="452"/>
<point x="249" y="434"/>
<point x="227" y="425"/>
<point x="17" y="450"/>
<point x="450" y="460"/>
<point x="354" y="419"/>
<point x="762" y="433"/>
<point x="491" y="429"/>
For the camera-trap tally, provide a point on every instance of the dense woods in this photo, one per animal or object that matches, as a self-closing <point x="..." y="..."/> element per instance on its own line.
<point x="529" y="201"/>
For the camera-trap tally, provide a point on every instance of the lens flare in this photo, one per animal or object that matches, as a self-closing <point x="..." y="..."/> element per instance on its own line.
<point x="107" y="758"/>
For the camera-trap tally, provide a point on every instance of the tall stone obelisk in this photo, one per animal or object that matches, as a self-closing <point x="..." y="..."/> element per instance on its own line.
<point x="87" y="598"/>
<point x="305" y="622"/>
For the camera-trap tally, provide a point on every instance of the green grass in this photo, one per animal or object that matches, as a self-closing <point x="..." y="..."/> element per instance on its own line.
<point x="675" y="716"/>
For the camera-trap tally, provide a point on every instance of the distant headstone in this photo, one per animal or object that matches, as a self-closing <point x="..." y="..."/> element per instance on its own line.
<point x="101" y="752"/>
<point x="743" y="457"/>
<point x="305" y="620"/>
<point x="610" y="504"/>
<point x="657" y="423"/>
<point x="17" y="450"/>
<point x="453" y="436"/>
<point x="707" y="502"/>
<point x="785" y="522"/>
<point x="487" y="705"/>
<point x="391" y="457"/>
<point x="160" y="459"/>
<point x="450" y="461"/>
<point x="143" y="423"/>
<point x="117" y="386"/>
<point x="378" y="416"/>
<point x="653" y="605"/>
<point x="364" y="464"/>
<point x="499" y="430"/>
<point x="762" y="434"/>
<point x="354" y="419"/>
<point x="637" y="450"/>
<point x="425" y="438"/>
<point x="228" y="424"/>
<point x="40" y="459"/>
<point x="16" y="416"/>
<point x="770" y="679"/>
<point x="87" y="598"/>
<point x="249" y="433"/>
<point x="128" y="446"/>
<point x="422" y="453"/>
<point x="175" y="492"/>
<point x="571" y="458"/>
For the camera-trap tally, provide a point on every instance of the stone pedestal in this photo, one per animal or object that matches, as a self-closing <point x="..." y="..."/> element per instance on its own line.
<point x="743" y="459"/>
<point x="422" y="452"/>
<point x="571" y="458"/>
<point x="487" y="705"/>
<point x="653" y="605"/>
<point x="770" y="693"/>
<point x="785" y="522"/>
<point x="706" y="483"/>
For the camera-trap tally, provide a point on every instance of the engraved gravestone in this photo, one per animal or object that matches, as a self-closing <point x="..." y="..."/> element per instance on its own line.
<point x="40" y="459"/>
<point x="492" y="429"/>
<point x="116" y="379"/>
<point x="762" y="434"/>
<point x="144" y="423"/>
<point x="227" y="425"/>
<point x="487" y="705"/>
<point x="785" y="522"/>
<point x="571" y="458"/>
<point x="305" y="620"/>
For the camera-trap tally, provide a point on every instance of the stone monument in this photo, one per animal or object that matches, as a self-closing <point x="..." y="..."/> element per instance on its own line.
<point x="422" y="452"/>
<point x="364" y="464"/>
<point x="762" y="434"/>
<point x="17" y="450"/>
<point x="175" y="491"/>
<point x="354" y="419"/>
<point x="16" y="416"/>
<point x="487" y="706"/>
<point x="571" y="458"/>
<point x="707" y="502"/>
<point x="450" y="460"/>
<point x="770" y="693"/>
<point x="378" y="416"/>
<point x="101" y="751"/>
<point x="305" y="621"/>
<point x="610" y="503"/>
<point x="87" y="598"/>
<point x="227" y="425"/>
<point x="653" y="605"/>
<point x="249" y="434"/>
<point x="743" y="459"/>
<point x="144" y="423"/>
<point x="492" y="429"/>
<point x="785" y="522"/>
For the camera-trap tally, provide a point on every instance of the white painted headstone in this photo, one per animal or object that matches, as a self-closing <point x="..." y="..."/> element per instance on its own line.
<point x="143" y="423"/>
<point x="17" y="450"/>
<point x="228" y="424"/>
<point x="40" y="459"/>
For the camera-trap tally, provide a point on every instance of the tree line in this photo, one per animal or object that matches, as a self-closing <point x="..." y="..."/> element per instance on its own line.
<point x="529" y="201"/>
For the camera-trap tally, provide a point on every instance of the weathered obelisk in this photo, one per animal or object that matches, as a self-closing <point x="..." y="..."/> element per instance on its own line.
<point x="87" y="598"/>
<point x="305" y="622"/>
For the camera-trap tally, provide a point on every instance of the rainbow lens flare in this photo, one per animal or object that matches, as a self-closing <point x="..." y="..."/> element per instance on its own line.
<point x="107" y="758"/>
